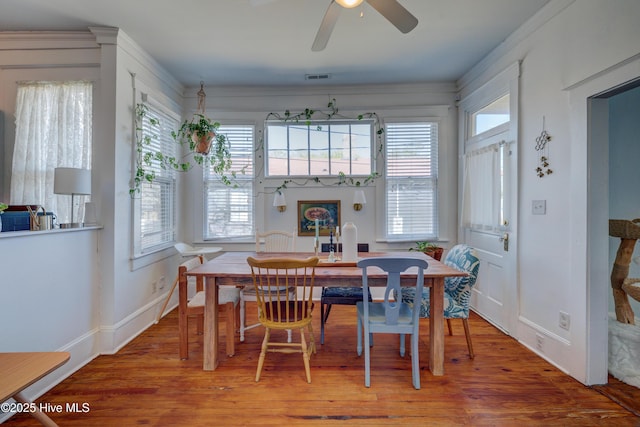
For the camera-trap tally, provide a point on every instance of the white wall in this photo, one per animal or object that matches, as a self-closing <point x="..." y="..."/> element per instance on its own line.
<point x="566" y="44"/>
<point x="129" y="304"/>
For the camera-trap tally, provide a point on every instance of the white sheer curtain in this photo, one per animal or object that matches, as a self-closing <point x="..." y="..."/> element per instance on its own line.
<point x="482" y="187"/>
<point x="53" y="129"/>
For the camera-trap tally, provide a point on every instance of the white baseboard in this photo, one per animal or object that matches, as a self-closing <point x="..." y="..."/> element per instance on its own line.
<point x="114" y="337"/>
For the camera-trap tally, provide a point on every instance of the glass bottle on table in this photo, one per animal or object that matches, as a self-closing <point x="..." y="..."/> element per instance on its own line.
<point x="332" y="255"/>
<point x="316" y="242"/>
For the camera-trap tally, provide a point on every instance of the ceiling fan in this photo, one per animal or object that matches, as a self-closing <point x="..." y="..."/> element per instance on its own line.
<point x="393" y="11"/>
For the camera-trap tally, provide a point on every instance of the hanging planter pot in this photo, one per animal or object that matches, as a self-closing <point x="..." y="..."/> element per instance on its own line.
<point x="199" y="132"/>
<point x="202" y="143"/>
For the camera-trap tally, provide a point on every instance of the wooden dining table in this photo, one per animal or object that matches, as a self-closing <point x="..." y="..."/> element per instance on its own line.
<point x="231" y="269"/>
<point x="19" y="370"/>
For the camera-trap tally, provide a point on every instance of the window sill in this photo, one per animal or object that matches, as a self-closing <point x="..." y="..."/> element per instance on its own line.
<point x="143" y="260"/>
<point x="25" y="233"/>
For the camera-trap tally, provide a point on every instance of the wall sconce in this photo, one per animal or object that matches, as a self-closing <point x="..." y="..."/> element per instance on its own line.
<point x="358" y="200"/>
<point x="71" y="181"/>
<point x="280" y="202"/>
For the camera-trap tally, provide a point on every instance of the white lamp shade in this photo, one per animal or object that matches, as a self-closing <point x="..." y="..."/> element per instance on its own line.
<point x="279" y="200"/>
<point x="72" y="181"/>
<point x="358" y="198"/>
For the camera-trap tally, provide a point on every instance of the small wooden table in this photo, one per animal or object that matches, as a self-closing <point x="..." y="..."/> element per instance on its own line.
<point x="19" y="370"/>
<point x="231" y="268"/>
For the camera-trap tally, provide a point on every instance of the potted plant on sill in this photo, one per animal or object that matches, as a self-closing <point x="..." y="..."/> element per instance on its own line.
<point x="3" y="206"/>
<point x="429" y="248"/>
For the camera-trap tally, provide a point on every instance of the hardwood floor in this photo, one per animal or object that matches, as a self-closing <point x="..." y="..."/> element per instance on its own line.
<point x="505" y="385"/>
<point x="624" y="394"/>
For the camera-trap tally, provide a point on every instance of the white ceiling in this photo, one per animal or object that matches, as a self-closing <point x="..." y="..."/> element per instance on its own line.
<point x="268" y="42"/>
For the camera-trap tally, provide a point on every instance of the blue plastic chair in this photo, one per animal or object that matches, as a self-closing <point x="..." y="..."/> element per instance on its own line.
<point x="390" y="316"/>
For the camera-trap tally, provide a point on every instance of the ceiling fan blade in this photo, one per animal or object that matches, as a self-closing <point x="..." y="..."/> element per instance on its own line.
<point x="326" y="26"/>
<point x="395" y="13"/>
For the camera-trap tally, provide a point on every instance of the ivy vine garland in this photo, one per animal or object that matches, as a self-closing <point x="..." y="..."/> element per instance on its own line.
<point x="307" y="116"/>
<point x="220" y="157"/>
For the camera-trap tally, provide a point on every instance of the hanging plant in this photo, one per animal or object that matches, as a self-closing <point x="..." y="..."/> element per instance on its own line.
<point x="199" y="132"/>
<point x="217" y="155"/>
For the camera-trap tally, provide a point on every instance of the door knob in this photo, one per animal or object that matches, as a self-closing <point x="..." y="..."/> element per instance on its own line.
<point x="505" y="241"/>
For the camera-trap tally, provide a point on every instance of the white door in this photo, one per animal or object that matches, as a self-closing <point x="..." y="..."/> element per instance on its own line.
<point x="488" y="219"/>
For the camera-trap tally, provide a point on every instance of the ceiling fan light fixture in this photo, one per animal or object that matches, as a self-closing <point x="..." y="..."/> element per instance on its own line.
<point x="349" y="3"/>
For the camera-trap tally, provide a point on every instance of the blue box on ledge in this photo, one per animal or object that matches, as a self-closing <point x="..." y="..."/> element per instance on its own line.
<point x="15" y="221"/>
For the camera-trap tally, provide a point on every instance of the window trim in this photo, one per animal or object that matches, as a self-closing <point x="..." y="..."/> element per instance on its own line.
<point x="373" y="140"/>
<point x="381" y="193"/>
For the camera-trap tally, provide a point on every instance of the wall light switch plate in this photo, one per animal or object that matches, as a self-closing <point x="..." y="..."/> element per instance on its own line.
<point x="539" y="207"/>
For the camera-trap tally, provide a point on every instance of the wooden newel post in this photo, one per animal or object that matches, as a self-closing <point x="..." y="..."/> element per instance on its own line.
<point x="620" y="271"/>
<point x="629" y="232"/>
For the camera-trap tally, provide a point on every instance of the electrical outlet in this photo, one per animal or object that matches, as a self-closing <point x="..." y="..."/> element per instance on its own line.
<point x="540" y="342"/>
<point x="564" y="320"/>
<point x="162" y="282"/>
<point x="539" y="207"/>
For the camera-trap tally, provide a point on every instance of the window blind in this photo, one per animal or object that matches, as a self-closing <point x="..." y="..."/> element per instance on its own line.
<point x="229" y="208"/>
<point x="157" y="205"/>
<point x="411" y="177"/>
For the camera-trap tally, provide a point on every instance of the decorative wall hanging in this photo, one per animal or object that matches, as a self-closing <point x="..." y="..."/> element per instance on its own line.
<point x="542" y="147"/>
<point x="318" y="217"/>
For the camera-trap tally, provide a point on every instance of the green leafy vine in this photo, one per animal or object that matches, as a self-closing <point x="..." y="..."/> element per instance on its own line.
<point x="147" y="156"/>
<point x="307" y="116"/>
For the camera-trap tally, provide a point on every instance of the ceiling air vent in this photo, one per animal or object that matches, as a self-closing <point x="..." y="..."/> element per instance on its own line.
<point x="317" y="76"/>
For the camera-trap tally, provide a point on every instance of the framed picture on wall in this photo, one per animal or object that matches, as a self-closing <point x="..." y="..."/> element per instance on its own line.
<point x="327" y="212"/>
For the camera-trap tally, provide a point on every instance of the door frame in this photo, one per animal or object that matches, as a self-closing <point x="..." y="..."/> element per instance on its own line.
<point x="588" y="109"/>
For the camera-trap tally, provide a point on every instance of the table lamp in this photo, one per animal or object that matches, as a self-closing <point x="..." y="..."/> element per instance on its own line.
<point x="72" y="181"/>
